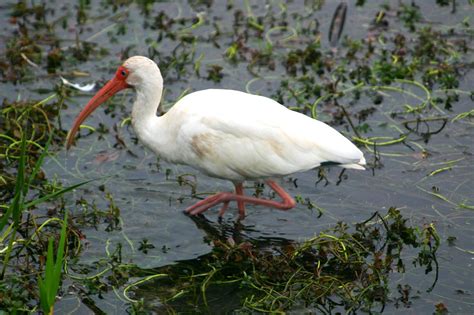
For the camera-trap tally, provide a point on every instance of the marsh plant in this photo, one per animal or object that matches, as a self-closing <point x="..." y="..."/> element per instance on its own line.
<point x="397" y="85"/>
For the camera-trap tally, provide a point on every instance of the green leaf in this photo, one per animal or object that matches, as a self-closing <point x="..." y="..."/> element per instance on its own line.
<point x="49" y="285"/>
<point x="55" y="194"/>
<point x="39" y="162"/>
<point x="16" y="206"/>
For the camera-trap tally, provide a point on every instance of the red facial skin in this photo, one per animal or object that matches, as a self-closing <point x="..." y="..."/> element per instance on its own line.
<point x="115" y="85"/>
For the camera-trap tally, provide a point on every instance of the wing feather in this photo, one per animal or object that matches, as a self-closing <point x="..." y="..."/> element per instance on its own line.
<point x="251" y="136"/>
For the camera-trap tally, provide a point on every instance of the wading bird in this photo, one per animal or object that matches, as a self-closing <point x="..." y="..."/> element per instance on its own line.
<point x="226" y="134"/>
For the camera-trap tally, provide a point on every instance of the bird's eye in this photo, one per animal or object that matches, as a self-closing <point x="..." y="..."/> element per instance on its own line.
<point x="122" y="73"/>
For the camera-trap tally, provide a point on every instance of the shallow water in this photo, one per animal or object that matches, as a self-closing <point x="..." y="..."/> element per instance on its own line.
<point x="151" y="199"/>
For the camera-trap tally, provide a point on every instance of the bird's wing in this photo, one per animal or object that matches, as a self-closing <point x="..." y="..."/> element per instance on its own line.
<point x="251" y="136"/>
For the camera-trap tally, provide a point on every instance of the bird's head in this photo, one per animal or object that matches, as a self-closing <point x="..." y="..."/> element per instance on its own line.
<point x="136" y="72"/>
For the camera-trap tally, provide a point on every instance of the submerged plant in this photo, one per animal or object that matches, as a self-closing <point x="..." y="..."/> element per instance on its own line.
<point x="337" y="269"/>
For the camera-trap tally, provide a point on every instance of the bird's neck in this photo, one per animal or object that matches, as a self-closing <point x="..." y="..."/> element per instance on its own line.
<point x="146" y="124"/>
<point x="146" y="104"/>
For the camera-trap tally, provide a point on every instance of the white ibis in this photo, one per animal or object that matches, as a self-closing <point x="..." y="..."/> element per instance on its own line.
<point x="226" y="134"/>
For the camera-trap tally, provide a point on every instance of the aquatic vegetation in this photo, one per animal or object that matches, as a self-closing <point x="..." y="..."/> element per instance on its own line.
<point x="31" y="120"/>
<point x="49" y="285"/>
<point x="344" y="268"/>
<point x="389" y="76"/>
<point x="19" y="232"/>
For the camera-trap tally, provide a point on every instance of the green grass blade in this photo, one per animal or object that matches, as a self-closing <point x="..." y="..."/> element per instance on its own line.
<point x="56" y="194"/>
<point x="43" y="295"/>
<point x="22" y="186"/>
<point x="15" y="209"/>
<point x="7" y="214"/>
<point x="59" y="257"/>
<point x="16" y="206"/>
<point x="49" y="285"/>
<point x="49" y="272"/>
<point x="39" y="162"/>
<point x="45" y="284"/>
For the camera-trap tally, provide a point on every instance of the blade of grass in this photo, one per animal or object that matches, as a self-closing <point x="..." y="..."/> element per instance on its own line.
<point x="49" y="285"/>
<point x="56" y="194"/>
<point x="17" y="206"/>
<point x="39" y="162"/>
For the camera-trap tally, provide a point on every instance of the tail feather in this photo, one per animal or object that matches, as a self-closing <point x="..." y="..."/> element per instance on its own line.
<point x="356" y="166"/>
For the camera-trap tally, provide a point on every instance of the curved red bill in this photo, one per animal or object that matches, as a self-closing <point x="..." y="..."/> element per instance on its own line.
<point x="112" y="87"/>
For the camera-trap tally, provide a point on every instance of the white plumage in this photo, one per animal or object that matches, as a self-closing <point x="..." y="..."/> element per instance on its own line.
<point x="225" y="133"/>
<point x="238" y="136"/>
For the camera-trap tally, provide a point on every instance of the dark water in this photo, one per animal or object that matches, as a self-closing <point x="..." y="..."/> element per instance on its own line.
<point x="151" y="201"/>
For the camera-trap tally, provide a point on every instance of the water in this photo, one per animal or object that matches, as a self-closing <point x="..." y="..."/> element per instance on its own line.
<point x="150" y="197"/>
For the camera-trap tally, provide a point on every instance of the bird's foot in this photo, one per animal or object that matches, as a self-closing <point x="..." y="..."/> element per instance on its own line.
<point x="209" y="202"/>
<point x="226" y="197"/>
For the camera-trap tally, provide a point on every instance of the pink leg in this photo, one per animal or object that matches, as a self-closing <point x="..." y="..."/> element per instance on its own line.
<point x="225" y="197"/>
<point x="239" y="190"/>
